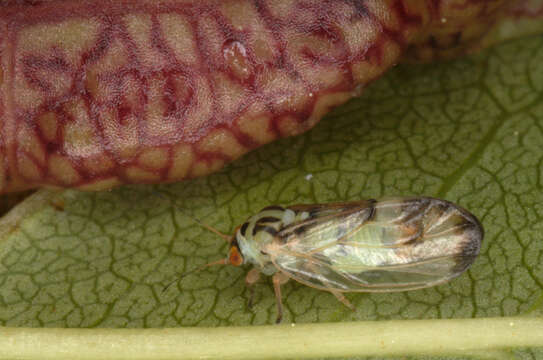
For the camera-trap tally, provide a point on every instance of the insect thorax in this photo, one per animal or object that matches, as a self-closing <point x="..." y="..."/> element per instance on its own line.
<point x="258" y="233"/>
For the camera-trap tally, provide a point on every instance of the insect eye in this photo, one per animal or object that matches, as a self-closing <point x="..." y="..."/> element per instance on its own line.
<point x="235" y="258"/>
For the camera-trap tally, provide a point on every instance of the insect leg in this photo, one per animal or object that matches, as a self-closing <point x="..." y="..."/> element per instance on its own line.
<point x="252" y="277"/>
<point x="343" y="299"/>
<point x="278" y="280"/>
<point x="337" y="294"/>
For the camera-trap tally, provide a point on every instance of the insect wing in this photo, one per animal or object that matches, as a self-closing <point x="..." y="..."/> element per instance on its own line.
<point x="323" y="225"/>
<point x="392" y="245"/>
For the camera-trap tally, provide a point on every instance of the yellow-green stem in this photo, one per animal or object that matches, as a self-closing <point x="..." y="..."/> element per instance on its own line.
<point x="372" y="338"/>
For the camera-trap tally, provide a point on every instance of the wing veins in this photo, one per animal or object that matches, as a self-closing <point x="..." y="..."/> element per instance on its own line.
<point x="338" y="241"/>
<point x="291" y="228"/>
<point x="356" y="286"/>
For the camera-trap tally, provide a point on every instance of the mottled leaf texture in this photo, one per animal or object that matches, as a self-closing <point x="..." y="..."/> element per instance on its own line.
<point x="469" y="130"/>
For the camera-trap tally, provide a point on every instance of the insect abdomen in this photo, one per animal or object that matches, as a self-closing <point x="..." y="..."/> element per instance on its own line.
<point x="389" y="245"/>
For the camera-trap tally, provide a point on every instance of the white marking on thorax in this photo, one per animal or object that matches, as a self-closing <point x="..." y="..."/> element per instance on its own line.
<point x="288" y="217"/>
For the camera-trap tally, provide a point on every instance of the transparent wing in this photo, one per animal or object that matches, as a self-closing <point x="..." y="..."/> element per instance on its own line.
<point x="393" y="245"/>
<point x="318" y="273"/>
<point x="364" y="224"/>
<point x="319" y="226"/>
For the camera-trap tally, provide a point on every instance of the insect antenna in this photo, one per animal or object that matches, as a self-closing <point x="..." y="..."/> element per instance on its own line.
<point x="205" y="226"/>
<point x="218" y="262"/>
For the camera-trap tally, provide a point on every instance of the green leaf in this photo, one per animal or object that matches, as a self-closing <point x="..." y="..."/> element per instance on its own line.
<point x="470" y="131"/>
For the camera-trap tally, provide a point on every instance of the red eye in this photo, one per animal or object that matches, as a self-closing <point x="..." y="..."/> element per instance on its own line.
<point x="235" y="257"/>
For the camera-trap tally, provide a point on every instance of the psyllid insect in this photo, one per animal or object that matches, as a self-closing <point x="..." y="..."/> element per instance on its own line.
<point x="364" y="246"/>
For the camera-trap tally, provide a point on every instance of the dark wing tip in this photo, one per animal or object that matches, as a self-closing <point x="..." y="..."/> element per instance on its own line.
<point x="471" y="247"/>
